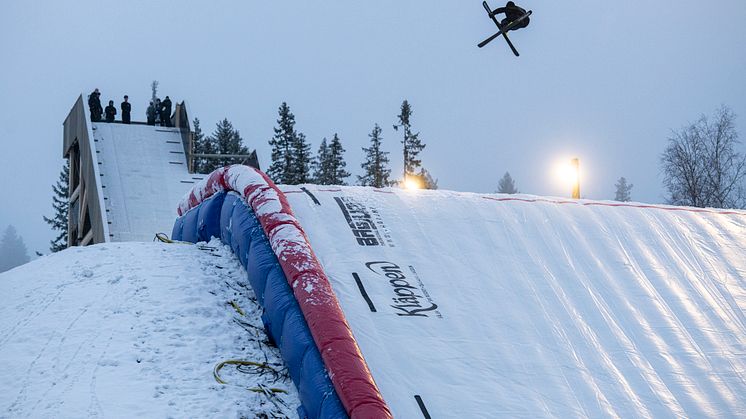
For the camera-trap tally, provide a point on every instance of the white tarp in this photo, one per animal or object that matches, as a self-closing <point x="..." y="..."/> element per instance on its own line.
<point x="485" y="308"/>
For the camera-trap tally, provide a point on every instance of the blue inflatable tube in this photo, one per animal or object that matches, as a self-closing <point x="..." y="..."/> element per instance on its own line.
<point x="225" y="215"/>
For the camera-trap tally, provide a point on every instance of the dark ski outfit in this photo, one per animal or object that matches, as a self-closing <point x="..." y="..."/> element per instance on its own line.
<point x="126" y="109"/>
<point x="512" y="12"/>
<point x="166" y="112"/>
<point x="158" y="107"/>
<point x="111" y="111"/>
<point x="94" y="105"/>
<point x="150" y="113"/>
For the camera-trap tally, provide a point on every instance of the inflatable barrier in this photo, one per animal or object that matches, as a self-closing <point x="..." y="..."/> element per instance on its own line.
<point x="244" y="208"/>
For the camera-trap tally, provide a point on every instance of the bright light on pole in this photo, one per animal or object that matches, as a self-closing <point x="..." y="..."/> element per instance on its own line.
<point x="567" y="175"/>
<point x="575" y="163"/>
<point x="412" y="182"/>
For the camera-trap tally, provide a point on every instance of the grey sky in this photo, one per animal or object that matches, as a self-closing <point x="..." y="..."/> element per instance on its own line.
<point x="605" y="81"/>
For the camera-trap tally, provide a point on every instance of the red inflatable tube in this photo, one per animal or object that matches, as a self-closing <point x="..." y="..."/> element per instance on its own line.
<point x="344" y="362"/>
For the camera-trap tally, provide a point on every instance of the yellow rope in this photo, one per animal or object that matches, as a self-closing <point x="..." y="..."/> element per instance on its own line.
<point x="162" y="237"/>
<point x="236" y="307"/>
<point x="220" y="365"/>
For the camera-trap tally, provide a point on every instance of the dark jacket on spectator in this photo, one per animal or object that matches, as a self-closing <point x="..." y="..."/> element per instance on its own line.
<point x="166" y="112"/>
<point x="151" y="114"/>
<point x="111" y="111"/>
<point x="94" y="105"/>
<point x="126" y="109"/>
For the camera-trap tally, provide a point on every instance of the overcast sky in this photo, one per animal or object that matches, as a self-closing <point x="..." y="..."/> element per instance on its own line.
<point x="603" y="81"/>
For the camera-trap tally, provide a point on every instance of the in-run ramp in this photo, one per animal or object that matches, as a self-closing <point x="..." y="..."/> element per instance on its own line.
<point x="469" y="305"/>
<point x="143" y="174"/>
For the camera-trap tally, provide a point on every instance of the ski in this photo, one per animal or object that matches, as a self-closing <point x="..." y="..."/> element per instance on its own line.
<point x="502" y="30"/>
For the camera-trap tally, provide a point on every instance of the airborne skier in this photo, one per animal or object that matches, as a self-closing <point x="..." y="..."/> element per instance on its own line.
<point x="512" y="14"/>
<point x="515" y="18"/>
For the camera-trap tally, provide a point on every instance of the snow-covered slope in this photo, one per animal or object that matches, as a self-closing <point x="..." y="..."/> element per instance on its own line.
<point x="481" y="306"/>
<point x="143" y="177"/>
<point x="132" y="330"/>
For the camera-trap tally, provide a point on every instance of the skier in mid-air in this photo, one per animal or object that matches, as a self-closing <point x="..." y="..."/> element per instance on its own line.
<point x="512" y="13"/>
<point x="515" y="18"/>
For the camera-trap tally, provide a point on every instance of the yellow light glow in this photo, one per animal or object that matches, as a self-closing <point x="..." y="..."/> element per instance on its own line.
<point x="567" y="174"/>
<point x="412" y="182"/>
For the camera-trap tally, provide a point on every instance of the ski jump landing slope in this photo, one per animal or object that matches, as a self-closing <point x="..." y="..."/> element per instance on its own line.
<point x="481" y="306"/>
<point x="143" y="176"/>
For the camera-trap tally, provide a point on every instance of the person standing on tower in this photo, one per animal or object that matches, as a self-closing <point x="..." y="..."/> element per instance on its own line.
<point x="158" y="108"/>
<point x="94" y="105"/>
<point x="111" y="112"/>
<point x="166" y="112"/>
<point x="150" y="113"/>
<point x="126" y="109"/>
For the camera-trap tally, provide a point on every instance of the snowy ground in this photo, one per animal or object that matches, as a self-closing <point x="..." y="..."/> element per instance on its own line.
<point x="133" y="330"/>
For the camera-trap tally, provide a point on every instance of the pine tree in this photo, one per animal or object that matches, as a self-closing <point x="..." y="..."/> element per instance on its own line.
<point x="227" y="140"/>
<point x="60" y="201"/>
<point x="329" y="164"/>
<point x="301" y="161"/>
<point x="376" y="162"/>
<point x="412" y="144"/>
<point x="320" y="164"/>
<point x="623" y="190"/>
<point x="506" y="185"/>
<point x="428" y="182"/>
<point x="202" y="145"/>
<point x="12" y="250"/>
<point x="282" y="143"/>
<point x="337" y="163"/>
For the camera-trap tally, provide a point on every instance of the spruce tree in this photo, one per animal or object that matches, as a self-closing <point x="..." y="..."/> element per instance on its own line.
<point x="506" y="185"/>
<point x="202" y="145"/>
<point x="321" y="164"/>
<point x="60" y="201"/>
<point x="301" y="160"/>
<point x="375" y="168"/>
<point x="12" y="250"/>
<point x="623" y="190"/>
<point x="227" y="140"/>
<point x="428" y="182"/>
<point x="337" y="164"/>
<point x="411" y="142"/>
<point x="282" y="143"/>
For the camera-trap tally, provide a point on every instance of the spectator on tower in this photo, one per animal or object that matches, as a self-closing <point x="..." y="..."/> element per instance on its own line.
<point x="166" y="112"/>
<point x="158" y="108"/>
<point x="111" y="111"/>
<point x="126" y="109"/>
<point x="151" y="113"/>
<point x="94" y="105"/>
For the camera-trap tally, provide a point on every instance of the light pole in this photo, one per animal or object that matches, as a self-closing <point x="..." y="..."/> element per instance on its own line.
<point x="576" y="178"/>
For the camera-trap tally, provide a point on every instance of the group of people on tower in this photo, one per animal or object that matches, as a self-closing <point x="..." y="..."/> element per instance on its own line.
<point x="157" y="113"/>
